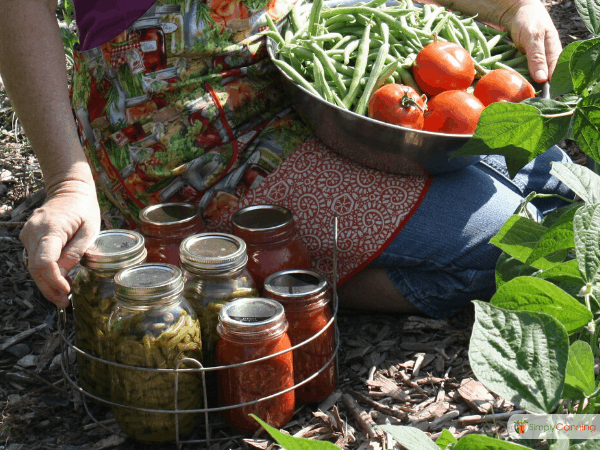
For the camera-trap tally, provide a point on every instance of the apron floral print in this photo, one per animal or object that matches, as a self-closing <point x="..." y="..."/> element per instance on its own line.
<point x="185" y="106"/>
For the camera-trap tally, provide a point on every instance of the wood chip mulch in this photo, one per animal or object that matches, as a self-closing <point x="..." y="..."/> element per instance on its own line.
<point x="392" y="369"/>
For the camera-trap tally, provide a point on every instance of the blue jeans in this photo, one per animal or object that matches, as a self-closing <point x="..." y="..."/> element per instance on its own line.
<point x="442" y="259"/>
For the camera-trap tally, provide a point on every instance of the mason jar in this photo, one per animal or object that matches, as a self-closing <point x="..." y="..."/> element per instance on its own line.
<point x="214" y="266"/>
<point x="271" y="240"/>
<point x="153" y="326"/>
<point x="249" y="329"/>
<point x="165" y="225"/>
<point x="306" y="296"/>
<point x="93" y="300"/>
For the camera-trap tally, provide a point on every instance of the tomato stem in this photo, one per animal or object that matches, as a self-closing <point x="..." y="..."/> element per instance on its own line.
<point x="408" y="102"/>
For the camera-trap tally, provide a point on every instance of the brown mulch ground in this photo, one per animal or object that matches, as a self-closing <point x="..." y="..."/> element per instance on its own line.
<point x="392" y="369"/>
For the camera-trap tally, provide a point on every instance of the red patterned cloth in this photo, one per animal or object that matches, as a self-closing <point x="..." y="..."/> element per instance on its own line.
<point x="118" y="54"/>
<point x="316" y="183"/>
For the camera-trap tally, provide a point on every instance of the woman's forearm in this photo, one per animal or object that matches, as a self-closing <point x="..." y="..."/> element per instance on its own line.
<point x="33" y="68"/>
<point x="491" y="11"/>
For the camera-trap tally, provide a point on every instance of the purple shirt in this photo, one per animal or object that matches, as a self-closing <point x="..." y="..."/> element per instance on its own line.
<point x="99" y="21"/>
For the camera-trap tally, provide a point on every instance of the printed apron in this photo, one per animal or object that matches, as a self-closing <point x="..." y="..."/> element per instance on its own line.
<point x="186" y="106"/>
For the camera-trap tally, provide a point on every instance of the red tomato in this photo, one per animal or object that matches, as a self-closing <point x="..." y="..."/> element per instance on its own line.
<point x="503" y="85"/>
<point x="443" y="66"/>
<point x="397" y="104"/>
<point x="454" y="112"/>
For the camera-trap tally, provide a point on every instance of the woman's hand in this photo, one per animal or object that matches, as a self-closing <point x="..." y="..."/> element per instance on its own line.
<point x="533" y="32"/>
<point x="57" y="235"/>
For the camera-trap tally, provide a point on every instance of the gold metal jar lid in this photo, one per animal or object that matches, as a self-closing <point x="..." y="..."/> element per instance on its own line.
<point x="164" y="214"/>
<point x="295" y="284"/>
<point x="214" y="252"/>
<point x="248" y="316"/>
<point x="149" y="282"/>
<point x="263" y="223"/>
<point x="114" y="250"/>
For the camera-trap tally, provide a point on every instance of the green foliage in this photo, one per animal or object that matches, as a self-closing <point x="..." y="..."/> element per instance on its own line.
<point x="292" y="443"/>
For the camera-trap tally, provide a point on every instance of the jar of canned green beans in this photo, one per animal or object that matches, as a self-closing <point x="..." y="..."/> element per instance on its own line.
<point x="93" y="300"/>
<point x="214" y="266"/>
<point x="152" y="326"/>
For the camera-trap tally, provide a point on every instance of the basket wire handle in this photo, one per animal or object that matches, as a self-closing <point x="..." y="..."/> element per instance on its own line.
<point x="546" y="90"/>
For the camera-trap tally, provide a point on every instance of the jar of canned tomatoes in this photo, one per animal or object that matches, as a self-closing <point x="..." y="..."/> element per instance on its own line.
<point x="167" y="224"/>
<point x="271" y="240"/>
<point x="93" y="300"/>
<point x="152" y="326"/>
<point x="214" y="266"/>
<point x="306" y="296"/>
<point x="249" y="329"/>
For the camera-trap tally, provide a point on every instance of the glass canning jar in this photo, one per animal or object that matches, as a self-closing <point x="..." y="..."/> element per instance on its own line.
<point x="249" y="329"/>
<point x="153" y="326"/>
<point x="93" y="299"/>
<point x="214" y="266"/>
<point x="305" y="295"/>
<point x="165" y="225"/>
<point x="271" y="240"/>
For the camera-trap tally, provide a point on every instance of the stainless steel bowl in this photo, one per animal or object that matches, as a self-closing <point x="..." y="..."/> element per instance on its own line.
<point x="372" y="143"/>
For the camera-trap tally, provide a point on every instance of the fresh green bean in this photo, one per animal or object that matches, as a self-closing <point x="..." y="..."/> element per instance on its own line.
<point x="463" y="31"/>
<point x="342" y="18"/>
<point x="385" y="32"/>
<point x="295" y="17"/>
<point x="476" y="33"/>
<point x="344" y="41"/>
<point x="319" y="75"/>
<point x="315" y="16"/>
<point x="328" y="66"/>
<point x="328" y="37"/>
<point x="408" y="79"/>
<point x="432" y="17"/>
<point x="360" y="67"/>
<point x="288" y="35"/>
<point x="480" y="70"/>
<point x="516" y="62"/>
<point x="291" y="72"/>
<point x="275" y="36"/>
<point x="349" y="49"/>
<point x="441" y="24"/>
<point x="495" y="40"/>
<point x="338" y="100"/>
<point x="377" y="67"/>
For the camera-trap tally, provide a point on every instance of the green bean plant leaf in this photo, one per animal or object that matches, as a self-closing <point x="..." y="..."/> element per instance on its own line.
<point x="410" y="438"/>
<point x="589" y="11"/>
<point x="547" y="106"/>
<point x="562" y="83"/>
<point x="579" y="378"/>
<point x="590" y="444"/>
<point x="509" y="267"/>
<point x="587" y="241"/>
<point x="295" y="443"/>
<point x="480" y="442"/>
<point x="566" y="272"/>
<point x="519" y="355"/>
<point x="520" y="132"/>
<point x="445" y="439"/>
<point x="585" y="66"/>
<point x="519" y="236"/>
<point x="586" y="126"/>
<point x="558" y="237"/>
<point x="535" y="294"/>
<point x="580" y="179"/>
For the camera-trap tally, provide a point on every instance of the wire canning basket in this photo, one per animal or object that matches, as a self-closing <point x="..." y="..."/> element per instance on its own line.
<point x="371" y="143"/>
<point x="66" y="344"/>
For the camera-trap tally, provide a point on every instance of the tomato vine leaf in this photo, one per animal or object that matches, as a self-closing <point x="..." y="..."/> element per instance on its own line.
<point x="520" y="355"/>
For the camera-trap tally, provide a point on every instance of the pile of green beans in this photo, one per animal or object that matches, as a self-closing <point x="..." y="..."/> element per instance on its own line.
<point x="345" y="54"/>
<point x="156" y="339"/>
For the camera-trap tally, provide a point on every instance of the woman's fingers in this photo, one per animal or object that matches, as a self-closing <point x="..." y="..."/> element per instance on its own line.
<point x="43" y="267"/>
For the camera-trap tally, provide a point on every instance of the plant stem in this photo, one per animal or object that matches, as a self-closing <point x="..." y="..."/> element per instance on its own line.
<point x="565" y="114"/>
